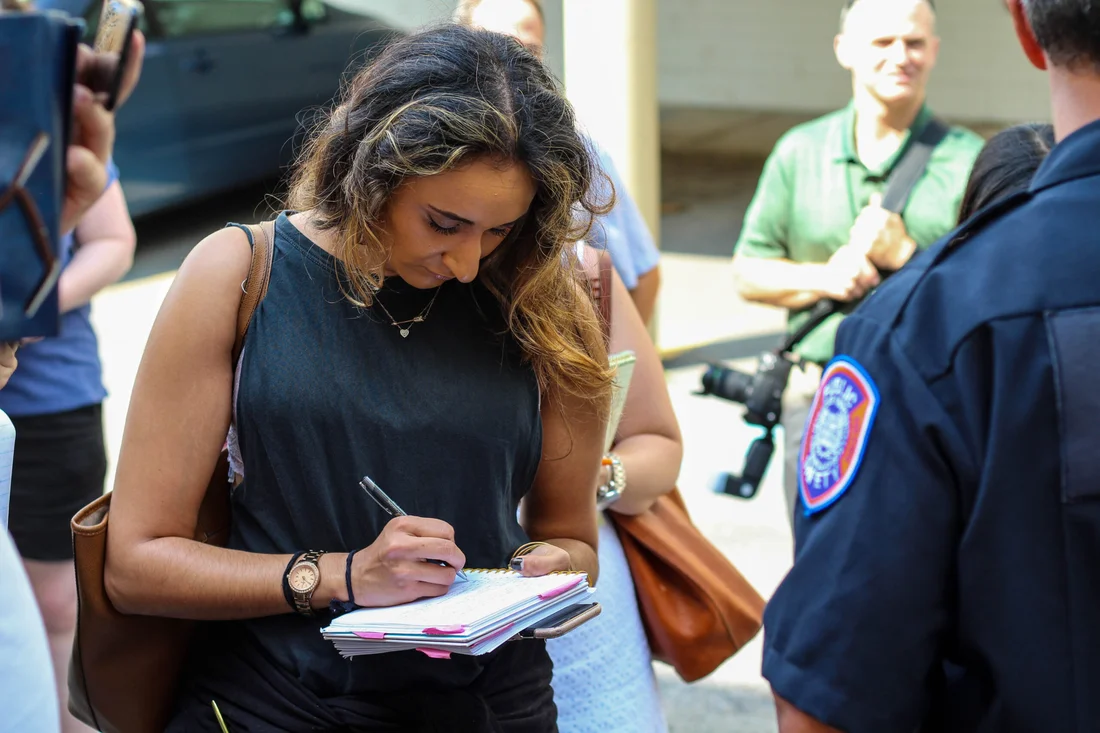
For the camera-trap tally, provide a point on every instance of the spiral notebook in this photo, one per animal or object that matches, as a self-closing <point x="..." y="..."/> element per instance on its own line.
<point x="473" y="618"/>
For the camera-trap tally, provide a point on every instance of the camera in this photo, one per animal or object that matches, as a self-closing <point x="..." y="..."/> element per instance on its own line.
<point x="762" y="395"/>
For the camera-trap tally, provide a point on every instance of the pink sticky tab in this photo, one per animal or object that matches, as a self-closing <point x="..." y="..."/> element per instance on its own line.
<point x="434" y="653"/>
<point x="444" y="630"/>
<point x="374" y="635"/>
<point x="558" y="591"/>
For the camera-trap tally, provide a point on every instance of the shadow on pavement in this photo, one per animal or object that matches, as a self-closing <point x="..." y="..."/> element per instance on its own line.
<point x="712" y="706"/>
<point x="738" y="348"/>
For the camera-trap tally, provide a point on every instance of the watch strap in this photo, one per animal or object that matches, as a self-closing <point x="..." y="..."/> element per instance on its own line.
<point x="287" y="593"/>
<point x="303" y="600"/>
<point x="616" y="484"/>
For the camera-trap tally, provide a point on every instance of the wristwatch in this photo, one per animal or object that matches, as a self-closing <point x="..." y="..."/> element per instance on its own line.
<point x="609" y="493"/>
<point x="303" y="578"/>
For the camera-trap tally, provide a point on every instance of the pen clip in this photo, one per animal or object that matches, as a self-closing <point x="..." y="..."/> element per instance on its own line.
<point x="388" y="505"/>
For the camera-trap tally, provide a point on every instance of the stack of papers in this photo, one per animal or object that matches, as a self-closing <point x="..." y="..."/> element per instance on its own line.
<point x="474" y="617"/>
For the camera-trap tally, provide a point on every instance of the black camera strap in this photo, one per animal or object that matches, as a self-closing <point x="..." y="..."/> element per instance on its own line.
<point x="899" y="186"/>
<point x="907" y="171"/>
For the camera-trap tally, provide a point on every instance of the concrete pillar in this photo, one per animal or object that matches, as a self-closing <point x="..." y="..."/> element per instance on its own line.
<point x="611" y="78"/>
<point x="610" y="50"/>
<point x="553" y="51"/>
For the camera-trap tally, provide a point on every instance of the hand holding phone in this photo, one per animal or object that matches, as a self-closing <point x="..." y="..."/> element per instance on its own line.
<point x="114" y="41"/>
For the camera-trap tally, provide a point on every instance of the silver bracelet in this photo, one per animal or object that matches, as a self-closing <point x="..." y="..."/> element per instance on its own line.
<point x="610" y="492"/>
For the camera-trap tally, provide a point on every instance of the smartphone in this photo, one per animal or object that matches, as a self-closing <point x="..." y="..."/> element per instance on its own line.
<point x="562" y="622"/>
<point x="117" y="22"/>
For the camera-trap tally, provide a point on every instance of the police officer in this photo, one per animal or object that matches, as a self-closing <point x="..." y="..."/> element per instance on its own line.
<point x="947" y="571"/>
<point x="816" y="227"/>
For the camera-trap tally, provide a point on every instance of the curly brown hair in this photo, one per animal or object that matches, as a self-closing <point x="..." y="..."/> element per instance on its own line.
<point x="431" y="102"/>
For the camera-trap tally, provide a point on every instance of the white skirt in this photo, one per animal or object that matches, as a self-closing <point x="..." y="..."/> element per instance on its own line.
<point x="603" y="671"/>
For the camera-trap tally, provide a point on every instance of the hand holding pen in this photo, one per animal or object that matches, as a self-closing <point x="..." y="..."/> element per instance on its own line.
<point x="413" y="557"/>
<point x="393" y="510"/>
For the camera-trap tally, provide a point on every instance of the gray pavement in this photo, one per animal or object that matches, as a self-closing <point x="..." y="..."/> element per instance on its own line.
<point x="700" y="319"/>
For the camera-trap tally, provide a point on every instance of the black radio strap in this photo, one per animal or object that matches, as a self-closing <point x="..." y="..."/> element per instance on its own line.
<point x="911" y="167"/>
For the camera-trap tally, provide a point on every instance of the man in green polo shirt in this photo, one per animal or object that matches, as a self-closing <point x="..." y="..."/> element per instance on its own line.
<point x="815" y="228"/>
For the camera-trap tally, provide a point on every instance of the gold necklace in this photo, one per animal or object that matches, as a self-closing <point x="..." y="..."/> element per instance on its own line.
<point x="404" y="326"/>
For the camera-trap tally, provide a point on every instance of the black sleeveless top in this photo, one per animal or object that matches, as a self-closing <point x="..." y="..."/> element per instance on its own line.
<point x="445" y="420"/>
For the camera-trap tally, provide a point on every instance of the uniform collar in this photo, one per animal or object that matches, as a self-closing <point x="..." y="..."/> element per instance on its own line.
<point x="1078" y="156"/>
<point x="844" y="137"/>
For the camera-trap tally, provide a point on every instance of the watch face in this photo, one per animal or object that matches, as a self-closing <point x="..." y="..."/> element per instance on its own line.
<point x="303" y="578"/>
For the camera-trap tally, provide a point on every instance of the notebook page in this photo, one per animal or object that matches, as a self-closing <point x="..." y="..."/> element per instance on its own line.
<point x="485" y="595"/>
<point x="623" y="365"/>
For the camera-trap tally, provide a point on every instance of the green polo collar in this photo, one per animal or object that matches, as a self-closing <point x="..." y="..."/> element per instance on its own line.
<point x="843" y="140"/>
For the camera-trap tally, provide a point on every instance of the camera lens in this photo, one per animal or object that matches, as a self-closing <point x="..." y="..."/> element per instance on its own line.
<point x="729" y="384"/>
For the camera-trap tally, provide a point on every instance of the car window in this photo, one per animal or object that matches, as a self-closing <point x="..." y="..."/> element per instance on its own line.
<point x="177" y="18"/>
<point x="313" y="11"/>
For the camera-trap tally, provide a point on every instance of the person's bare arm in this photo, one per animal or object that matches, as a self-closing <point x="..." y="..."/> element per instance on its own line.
<point x="560" y="509"/>
<point x="778" y="282"/>
<point x="177" y="422"/>
<point x="176" y="425"/>
<point x="793" y="720"/>
<point x="561" y="506"/>
<point x="648" y="441"/>
<point x="645" y="292"/>
<point x="848" y="275"/>
<point x="105" y="250"/>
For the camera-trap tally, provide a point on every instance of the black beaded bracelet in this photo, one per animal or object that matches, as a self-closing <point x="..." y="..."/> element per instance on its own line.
<point x="286" y="581"/>
<point x="341" y="607"/>
<point x="347" y="578"/>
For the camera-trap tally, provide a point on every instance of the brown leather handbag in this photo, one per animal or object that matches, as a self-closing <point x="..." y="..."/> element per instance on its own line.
<point x="125" y="668"/>
<point x="697" y="609"/>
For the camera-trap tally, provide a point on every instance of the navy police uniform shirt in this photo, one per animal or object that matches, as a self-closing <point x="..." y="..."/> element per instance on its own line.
<point x="947" y="566"/>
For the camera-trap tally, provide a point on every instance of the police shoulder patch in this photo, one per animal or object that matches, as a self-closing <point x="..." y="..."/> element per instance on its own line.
<point x="836" y="433"/>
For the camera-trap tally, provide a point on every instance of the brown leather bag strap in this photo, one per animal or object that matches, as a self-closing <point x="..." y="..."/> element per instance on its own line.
<point x="601" y="291"/>
<point x="262" y="239"/>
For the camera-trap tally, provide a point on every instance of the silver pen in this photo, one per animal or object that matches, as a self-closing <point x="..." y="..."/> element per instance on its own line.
<point x="390" y="507"/>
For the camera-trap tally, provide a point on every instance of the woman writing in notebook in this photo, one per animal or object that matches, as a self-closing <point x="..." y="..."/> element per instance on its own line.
<point x="603" y="672"/>
<point x="418" y="328"/>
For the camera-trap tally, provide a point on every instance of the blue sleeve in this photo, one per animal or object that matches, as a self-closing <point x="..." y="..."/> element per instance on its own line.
<point x="112" y="173"/>
<point x="623" y="232"/>
<point x="853" y="634"/>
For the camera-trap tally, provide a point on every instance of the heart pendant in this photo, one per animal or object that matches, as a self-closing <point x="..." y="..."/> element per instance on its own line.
<point x="404" y="332"/>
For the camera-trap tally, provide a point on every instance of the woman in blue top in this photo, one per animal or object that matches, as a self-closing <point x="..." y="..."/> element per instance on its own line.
<point x="54" y="399"/>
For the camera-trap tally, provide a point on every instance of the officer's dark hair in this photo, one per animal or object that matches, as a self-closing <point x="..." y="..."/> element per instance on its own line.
<point x="1006" y="165"/>
<point x="1067" y="30"/>
<point x="849" y="4"/>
